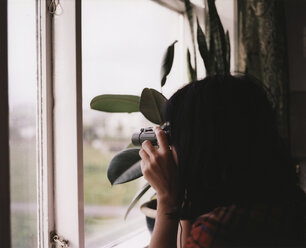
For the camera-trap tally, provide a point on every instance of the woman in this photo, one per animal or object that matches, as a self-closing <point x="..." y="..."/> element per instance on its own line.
<point x="225" y="171"/>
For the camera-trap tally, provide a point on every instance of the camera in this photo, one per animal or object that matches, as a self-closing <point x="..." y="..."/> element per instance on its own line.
<point x="148" y="134"/>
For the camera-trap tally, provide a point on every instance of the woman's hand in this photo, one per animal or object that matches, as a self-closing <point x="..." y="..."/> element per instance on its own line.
<point x="159" y="169"/>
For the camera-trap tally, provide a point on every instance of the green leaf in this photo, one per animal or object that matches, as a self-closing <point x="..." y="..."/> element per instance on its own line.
<point x="228" y="51"/>
<point x="167" y="63"/>
<point x="203" y="47"/>
<point x="207" y="25"/>
<point x="213" y="62"/>
<point x="151" y="105"/>
<point x="217" y="38"/>
<point x="138" y="195"/>
<point x="191" y="72"/>
<point x="124" y="167"/>
<point x="116" y="103"/>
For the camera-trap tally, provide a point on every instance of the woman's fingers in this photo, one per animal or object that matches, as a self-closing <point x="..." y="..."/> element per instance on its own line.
<point x="149" y="149"/>
<point x="162" y="143"/>
<point x="148" y="169"/>
<point x="162" y="139"/>
<point x="143" y="155"/>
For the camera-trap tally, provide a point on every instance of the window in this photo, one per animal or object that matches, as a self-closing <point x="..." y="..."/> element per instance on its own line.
<point x="59" y="147"/>
<point x="122" y="48"/>
<point x="22" y="111"/>
<point x="123" y="43"/>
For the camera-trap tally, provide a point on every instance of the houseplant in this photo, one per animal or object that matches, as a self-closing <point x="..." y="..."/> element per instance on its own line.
<point x="214" y="48"/>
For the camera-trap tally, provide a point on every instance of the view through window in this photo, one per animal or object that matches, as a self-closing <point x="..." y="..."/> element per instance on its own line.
<point x="123" y="43"/>
<point x="22" y="112"/>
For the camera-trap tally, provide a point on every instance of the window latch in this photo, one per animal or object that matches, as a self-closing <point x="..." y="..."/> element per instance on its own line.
<point x="59" y="241"/>
<point x="55" y="7"/>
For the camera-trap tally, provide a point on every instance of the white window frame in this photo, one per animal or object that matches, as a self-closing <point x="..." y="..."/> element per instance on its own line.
<point x="45" y="146"/>
<point x="68" y="136"/>
<point x="60" y="154"/>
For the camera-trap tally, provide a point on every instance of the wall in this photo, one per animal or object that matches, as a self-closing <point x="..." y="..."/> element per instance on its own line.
<point x="296" y="38"/>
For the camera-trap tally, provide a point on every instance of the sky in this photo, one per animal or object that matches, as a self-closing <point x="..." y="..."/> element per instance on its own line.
<point x="123" y="46"/>
<point x="22" y="52"/>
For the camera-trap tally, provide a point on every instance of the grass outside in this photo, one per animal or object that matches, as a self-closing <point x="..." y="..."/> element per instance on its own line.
<point x="97" y="188"/>
<point x="23" y="170"/>
<point x="23" y="191"/>
<point x="97" y="191"/>
<point x="100" y="229"/>
<point x="24" y="233"/>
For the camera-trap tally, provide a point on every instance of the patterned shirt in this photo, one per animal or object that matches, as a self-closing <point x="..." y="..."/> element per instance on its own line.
<point x="256" y="226"/>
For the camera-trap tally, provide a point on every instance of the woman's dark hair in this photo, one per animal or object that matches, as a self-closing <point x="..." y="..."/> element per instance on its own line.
<point x="229" y="151"/>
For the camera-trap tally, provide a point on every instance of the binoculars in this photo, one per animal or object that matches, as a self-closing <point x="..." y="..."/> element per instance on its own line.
<point x="148" y="134"/>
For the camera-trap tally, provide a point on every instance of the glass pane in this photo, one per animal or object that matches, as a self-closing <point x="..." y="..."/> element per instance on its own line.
<point x="22" y="111"/>
<point x="123" y="46"/>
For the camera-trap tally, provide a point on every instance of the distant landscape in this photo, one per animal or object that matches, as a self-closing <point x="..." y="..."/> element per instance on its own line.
<point x="105" y="205"/>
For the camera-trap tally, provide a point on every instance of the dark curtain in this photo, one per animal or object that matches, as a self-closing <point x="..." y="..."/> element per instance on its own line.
<point x="262" y="51"/>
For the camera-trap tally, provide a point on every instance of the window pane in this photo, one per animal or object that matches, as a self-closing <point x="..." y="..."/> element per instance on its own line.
<point x="123" y="45"/>
<point x="22" y="111"/>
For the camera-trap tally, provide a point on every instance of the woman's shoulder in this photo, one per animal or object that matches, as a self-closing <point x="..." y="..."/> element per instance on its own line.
<point x="233" y="225"/>
<point x="210" y="229"/>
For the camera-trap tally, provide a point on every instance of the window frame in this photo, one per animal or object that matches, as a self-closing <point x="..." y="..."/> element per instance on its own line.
<point x="5" y="225"/>
<point x="44" y="123"/>
<point x="67" y="123"/>
<point x="59" y="124"/>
